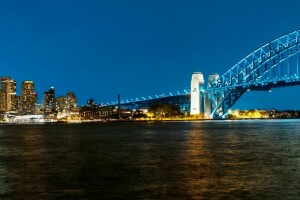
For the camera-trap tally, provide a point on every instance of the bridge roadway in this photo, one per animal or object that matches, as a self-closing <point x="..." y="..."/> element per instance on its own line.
<point x="181" y="100"/>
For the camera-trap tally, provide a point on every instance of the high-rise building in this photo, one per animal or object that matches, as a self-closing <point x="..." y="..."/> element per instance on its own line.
<point x="197" y="106"/>
<point x="71" y="100"/>
<point x="49" y="105"/>
<point x="29" y="97"/>
<point x="60" y="103"/>
<point x="7" y="94"/>
<point x="18" y="103"/>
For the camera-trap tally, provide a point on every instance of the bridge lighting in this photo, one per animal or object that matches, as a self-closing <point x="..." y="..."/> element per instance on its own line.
<point x="262" y="68"/>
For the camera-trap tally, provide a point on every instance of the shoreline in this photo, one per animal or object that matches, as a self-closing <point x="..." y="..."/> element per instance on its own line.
<point x="137" y="121"/>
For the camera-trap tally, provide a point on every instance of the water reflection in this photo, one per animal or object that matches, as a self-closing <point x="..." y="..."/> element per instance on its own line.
<point x="198" y="160"/>
<point x="3" y="168"/>
<point x="240" y="160"/>
<point x="27" y="164"/>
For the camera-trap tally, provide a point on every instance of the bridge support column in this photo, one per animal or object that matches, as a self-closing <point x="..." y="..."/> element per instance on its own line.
<point x="227" y="100"/>
<point x="207" y="106"/>
<point x="208" y="99"/>
<point x="196" y="96"/>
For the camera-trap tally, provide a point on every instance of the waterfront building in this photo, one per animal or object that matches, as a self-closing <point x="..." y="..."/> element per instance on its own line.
<point x="28" y="98"/>
<point x="93" y="112"/>
<point x="60" y="103"/>
<point x="7" y="94"/>
<point x="18" y="104"/>
<point x="71" y="101"/>
<point x="67" y="106"/>
<point x="49" y="103"/>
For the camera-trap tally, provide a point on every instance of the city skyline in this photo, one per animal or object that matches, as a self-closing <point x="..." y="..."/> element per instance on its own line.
<point x="11" y="86"/>
<point x="101" y="49"/>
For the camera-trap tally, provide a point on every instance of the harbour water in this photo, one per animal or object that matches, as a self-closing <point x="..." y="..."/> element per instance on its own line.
<point x="250" y="159"/>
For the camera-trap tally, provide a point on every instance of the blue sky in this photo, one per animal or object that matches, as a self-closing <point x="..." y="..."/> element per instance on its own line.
<point x="98" y="49"/>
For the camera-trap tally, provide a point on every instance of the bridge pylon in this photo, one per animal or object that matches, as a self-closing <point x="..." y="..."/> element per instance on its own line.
<point x="197" y="99"/>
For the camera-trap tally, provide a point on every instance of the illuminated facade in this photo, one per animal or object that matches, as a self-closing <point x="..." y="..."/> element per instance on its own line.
<point x="28" y="98"/>
<point x="49" y="103"/>
<point x="7" y="94"/>
<point x="196" y="96"/>
<point x="60" y="103"/>
<point x="67" y="106"/>
<point x="71" y="101"/>
<point x="18" y="103"/>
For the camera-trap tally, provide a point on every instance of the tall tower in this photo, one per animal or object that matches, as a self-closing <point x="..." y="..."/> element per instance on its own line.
<point x="71" y="101"/>
<point x="60" y="103"/>
<point x="49" y="104"/>
<point x="28" y="98"/>
<point x="207" y="101"/>
<point x="7" y="94"/>
<point x="196" y="96"/>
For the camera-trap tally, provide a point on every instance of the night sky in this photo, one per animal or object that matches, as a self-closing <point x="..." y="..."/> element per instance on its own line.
<point x="98" y="49"/>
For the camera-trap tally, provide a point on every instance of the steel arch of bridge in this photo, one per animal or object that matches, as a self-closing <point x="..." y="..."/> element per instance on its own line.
<point x="261" y="70"/>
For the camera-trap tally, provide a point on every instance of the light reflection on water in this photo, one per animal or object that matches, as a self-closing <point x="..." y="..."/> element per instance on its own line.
<point x="257" y="159"/>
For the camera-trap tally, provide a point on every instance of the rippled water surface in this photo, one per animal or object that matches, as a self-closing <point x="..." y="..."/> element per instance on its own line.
<point x="168" y="160"/>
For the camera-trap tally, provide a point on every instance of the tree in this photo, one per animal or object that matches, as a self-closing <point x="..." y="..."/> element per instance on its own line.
<point x="162" y="110"/>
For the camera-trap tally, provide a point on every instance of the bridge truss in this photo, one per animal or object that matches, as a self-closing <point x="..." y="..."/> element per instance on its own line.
<point x="273" y="65"/>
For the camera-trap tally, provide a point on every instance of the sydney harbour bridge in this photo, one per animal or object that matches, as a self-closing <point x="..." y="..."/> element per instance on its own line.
<point x="273" y="65"/>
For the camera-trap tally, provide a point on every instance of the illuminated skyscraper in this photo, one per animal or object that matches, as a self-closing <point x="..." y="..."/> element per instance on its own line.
<point x="71" y="100"/>
<point x="18" y="103"/>
<point x="29" y="97"/>
<point x="49" y="104"/>
<point x="60" y="103"/>
<point x="196" y="96"/>
<point x="7" y="94"/>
